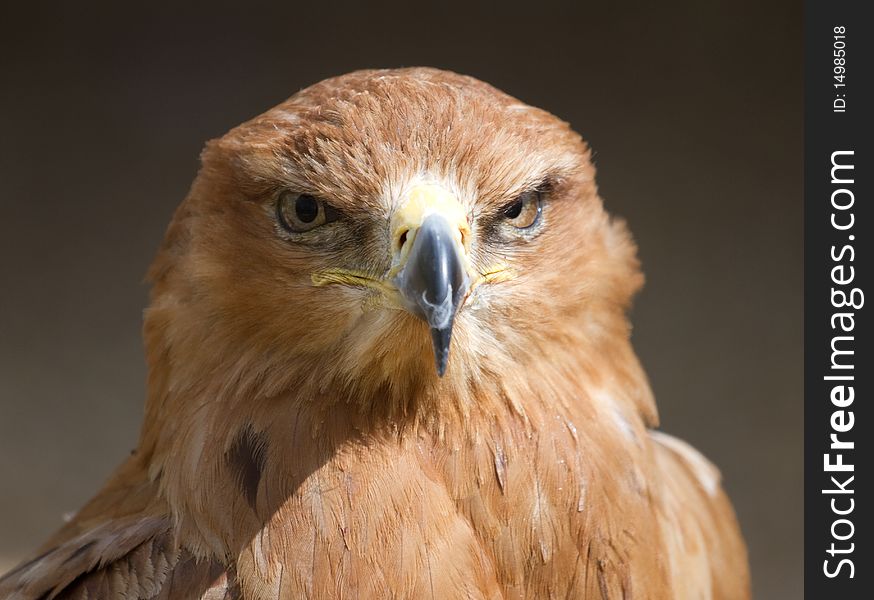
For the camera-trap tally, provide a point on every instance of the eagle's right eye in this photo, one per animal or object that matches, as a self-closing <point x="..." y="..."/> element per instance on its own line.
<point x="524" y="212"/>
<point x="298" y="213"/>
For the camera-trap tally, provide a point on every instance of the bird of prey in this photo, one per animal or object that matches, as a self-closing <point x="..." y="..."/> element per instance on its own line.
<point x="389" y="357"/>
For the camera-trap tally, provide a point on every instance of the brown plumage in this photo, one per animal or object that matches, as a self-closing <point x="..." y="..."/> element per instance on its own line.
<point x="298" y="441"/>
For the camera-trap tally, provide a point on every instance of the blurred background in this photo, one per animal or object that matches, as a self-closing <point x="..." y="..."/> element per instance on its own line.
<point x="693" y="110"/>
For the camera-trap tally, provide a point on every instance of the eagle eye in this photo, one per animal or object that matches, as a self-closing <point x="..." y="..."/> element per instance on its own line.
<point x="298" y="213"/>
<point x="524" y="212"/>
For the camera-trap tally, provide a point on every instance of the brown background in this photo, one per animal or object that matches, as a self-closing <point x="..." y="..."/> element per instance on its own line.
<point x="693" y="109"/>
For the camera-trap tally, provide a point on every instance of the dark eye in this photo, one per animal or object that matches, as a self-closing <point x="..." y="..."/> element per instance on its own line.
<point x="301" y="212"/>
<point x="524" y="211"/>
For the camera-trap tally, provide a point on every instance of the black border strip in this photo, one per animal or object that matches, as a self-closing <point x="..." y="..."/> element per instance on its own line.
<point x="837" y="260"/>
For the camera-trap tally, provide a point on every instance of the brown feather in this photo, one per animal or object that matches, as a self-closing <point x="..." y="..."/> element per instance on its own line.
<point x="297" y="441"/>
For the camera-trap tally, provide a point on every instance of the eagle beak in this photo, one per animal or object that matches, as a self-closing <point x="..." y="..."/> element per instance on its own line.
<point x="430" y="236"/>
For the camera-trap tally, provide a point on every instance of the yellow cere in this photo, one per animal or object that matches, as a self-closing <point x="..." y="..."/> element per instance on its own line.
<point x="349" y="277"/>
<point x="495" y="274"/>
<point x="423" y="200"/>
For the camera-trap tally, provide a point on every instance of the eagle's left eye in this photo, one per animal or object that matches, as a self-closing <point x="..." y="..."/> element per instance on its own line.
<point x="301" y="212"/>
<point x="524" y="212"/>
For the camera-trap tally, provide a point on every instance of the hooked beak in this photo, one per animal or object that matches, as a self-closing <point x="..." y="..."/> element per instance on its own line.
<point x="430" y="232"/>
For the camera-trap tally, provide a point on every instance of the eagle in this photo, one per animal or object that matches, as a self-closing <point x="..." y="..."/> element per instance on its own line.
<point x="389" y="357"/>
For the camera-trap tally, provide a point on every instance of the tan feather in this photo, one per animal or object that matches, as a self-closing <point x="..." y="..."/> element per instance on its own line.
<point x="297" y="441"/>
